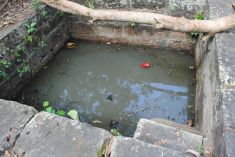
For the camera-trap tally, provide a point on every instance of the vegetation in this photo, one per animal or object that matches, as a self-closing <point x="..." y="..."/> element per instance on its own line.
<point x="174" y="7"/>
<point x="73" y="114"/>
<point x="200" y="149"/>
<point x="4" y="66"/>
<point x="115" y="132"/>
<point x="90" y="4"/>
<point x="31" y="29"/>
<point x="36" y="5"/>
<point x="101" y="151"/>
<point x="198" y="16"/>
<point x="132" y="24"/>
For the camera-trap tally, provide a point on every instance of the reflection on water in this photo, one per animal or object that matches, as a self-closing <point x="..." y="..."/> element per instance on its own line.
<point x="105" y="82"/>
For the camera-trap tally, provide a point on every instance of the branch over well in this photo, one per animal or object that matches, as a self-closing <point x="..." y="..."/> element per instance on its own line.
<point x="158" y="20"/>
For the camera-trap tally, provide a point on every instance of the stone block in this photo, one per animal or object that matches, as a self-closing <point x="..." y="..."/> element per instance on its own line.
<point x="166" y="136"/>
<point x="13" y="116"/>
<point x="129" y="147"/>
<point x="50" y="135"/>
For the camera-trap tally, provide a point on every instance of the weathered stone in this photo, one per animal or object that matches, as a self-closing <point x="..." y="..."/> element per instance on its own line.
<point x="51" y="30"/>
<point x="151" y="4"/>
<point x="129" y="147"/>
<point x="49" y="135"/>
<point x="177" y="125"/>
<point x="218" y="8"/>
<point x="166" y="136"/>
<point x="225" y="48"/>
<point x="229" y="139"/>
<point x="118" y="32"/>
<point x="228" y="108"/>
<point x="14" y="117"/>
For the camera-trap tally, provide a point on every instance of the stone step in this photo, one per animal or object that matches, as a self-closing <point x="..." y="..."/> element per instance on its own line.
<point x="129" y="147"/>
<point x="167" y="136"/>
<point x="49" y="135"/>
<point x="177" y="125"/>
<point x="13" y="117"/>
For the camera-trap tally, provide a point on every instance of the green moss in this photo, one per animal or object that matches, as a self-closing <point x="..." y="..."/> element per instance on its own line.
<point x="101" y="151"/>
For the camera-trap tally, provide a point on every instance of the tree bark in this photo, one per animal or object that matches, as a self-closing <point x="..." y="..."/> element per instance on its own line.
<point x="158" y="20"/>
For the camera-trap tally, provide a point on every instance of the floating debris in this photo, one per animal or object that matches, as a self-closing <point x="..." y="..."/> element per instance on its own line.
<point x="71" y="45"/>
<point x="145" y="65"/>
<point x="110" y="97"/>
<point x="191" y="67"/>
<point x="113" y="124"/>
<point x="190" y="122"/>
<point x="97" y="122"/>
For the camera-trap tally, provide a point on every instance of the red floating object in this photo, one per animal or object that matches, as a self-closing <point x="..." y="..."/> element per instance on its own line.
<point x="145" y="65"/>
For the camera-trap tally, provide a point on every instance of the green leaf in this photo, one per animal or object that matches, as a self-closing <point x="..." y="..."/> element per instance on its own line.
<point x="60" y="112"/>
<point x="45" y="104"/>
<point x="73" y="114"/>
<point x="50" y="110"/>
<point x="33" y="24"/>
<point x="115" y="132"/>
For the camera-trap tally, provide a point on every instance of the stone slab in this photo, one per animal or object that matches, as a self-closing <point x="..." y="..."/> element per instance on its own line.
<point x="229" y="139"/>
<point x="228" y="108"/>
<point x="166" y="136"/>
<point x="49" y="135"/>
<point x="13" y="115"/>
<point x="219" y="8"/>
<point x="129" y="147"/>
<point x="177" y="125"/>
<point x="225" y="46"/>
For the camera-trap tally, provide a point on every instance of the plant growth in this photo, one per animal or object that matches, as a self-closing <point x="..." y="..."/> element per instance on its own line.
<point x="198" y="16"/>
<point x="4" y="66"/>
<point x="73" y="114"/>
<point x="90" y="4"/>
<point x="115" y="132"/>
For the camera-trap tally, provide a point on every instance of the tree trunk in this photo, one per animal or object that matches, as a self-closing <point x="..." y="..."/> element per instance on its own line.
<point x="158" y="20"/>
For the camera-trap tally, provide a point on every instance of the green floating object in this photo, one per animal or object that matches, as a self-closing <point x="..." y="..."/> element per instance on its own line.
<point x="60" y="112"/>
<point x="50" y="110"/>
<point x="45" y="104"/>
<point x="73" y="114"/>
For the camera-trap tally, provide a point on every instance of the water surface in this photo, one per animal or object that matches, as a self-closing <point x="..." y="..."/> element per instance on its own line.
<point x="106" y="83"/>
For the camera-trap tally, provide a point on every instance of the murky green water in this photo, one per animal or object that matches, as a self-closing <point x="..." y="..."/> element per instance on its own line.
<point x="105" y="82"/>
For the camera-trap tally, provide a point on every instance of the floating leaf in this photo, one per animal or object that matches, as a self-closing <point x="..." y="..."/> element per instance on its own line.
<point x="60" y="112"/>
<point x="45" y="104"/>
<point x="71" y="45"/>
<point x="97" y="122"/>
<point x="50" y="110"/>
<point x="73" y="114"/>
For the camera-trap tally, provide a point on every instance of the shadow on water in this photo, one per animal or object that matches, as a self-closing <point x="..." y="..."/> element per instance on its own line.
<point x="107" y="86"/>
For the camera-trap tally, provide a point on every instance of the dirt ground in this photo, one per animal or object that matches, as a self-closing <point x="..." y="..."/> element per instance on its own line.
<point x="14" y="12"/>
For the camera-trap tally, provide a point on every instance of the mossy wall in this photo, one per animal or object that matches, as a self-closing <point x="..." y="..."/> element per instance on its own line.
<point x="26" y="49"/>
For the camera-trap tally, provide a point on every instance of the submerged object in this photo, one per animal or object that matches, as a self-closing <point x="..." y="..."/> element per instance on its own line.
<point x="110" y="97"/>
<point x="113" y="124"/>
<point x="71" y="45"/>
<point x="145" y="65"/>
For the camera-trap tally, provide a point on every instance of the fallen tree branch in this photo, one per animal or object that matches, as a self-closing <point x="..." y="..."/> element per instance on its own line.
<point x="158" y="20"/>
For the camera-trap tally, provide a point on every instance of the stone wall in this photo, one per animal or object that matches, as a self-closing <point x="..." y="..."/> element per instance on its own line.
<point x="215" y="85"/>
<point x="23" y="54"/>
<point x="137" y="34"/>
